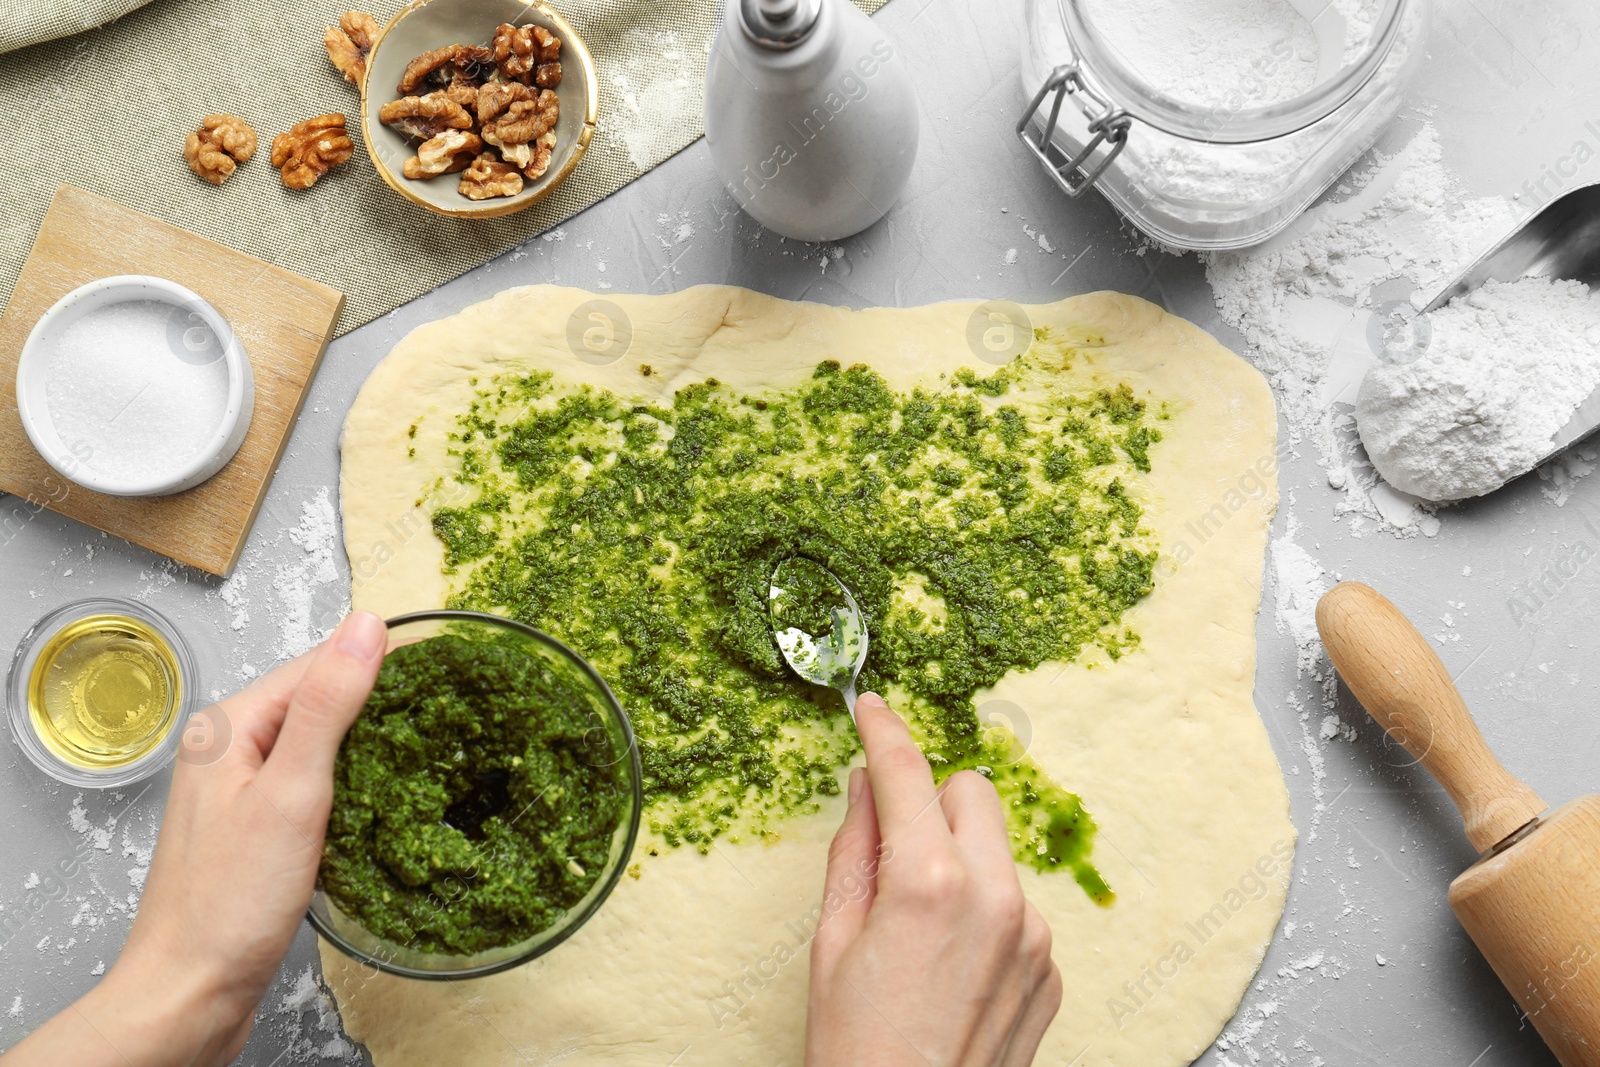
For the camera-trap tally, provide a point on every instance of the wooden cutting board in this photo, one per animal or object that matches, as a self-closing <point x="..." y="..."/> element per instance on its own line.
<point x="282" y="320"/>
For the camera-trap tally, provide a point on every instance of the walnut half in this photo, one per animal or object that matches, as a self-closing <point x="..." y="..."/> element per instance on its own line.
<point x="425" y="117"/>
<point x="527" y="54"/>
<point x="350" y="42"/>
<point x="310" y="149"/>
<point x="447" y="153"/>
<point x="540" y="162"/>
<point x="523" y="120"/>
<point x="488" y="178"/>
<point x="218" y="146"/>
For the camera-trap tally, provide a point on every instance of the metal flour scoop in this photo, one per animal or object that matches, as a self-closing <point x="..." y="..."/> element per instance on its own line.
<point x="1560" y="240"/>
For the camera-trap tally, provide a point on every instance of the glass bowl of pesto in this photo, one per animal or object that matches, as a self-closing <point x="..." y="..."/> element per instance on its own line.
<point x="485" y="802"/>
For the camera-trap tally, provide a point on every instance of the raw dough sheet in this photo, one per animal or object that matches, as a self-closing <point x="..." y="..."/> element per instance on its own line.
<point x="702" y="960"/>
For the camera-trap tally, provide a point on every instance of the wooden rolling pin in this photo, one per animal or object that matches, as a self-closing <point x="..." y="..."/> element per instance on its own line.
<point x="1532" y="900"/>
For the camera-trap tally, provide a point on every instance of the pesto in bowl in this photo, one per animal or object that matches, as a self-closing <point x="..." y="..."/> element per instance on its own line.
<point x="484" y="801"/>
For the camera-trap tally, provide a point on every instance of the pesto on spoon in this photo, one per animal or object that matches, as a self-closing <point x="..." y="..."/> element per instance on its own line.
<point x="818" y="626"/>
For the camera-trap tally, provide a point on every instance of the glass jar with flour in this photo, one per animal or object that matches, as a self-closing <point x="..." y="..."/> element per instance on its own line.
<point x="1211" y="124"/>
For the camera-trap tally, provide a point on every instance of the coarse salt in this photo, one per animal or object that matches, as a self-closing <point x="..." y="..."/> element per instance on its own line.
<point x="136" y="390"/>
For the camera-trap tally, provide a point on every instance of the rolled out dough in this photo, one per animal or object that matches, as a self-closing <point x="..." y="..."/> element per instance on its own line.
<point x="702" y="960"/>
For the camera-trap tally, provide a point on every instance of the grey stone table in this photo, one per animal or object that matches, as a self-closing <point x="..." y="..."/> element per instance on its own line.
<point x="1374" y="969"/>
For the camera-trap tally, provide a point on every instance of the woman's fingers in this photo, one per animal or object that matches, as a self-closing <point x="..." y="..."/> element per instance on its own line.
<point x="972" y="809"/>
<point x="1041" y="981"/>
<point x="332" y="690"/>
<point x="902" y="781"/>
<point x="254" y="715"/>
<point x="1034" y="1021"/>
<point x="852" y="877"/>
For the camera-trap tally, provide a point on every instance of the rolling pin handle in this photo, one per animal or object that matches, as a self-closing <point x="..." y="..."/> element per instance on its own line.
<point x="1399" y="679"/>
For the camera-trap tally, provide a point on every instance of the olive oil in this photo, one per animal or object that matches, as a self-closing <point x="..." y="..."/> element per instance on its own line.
<point x="104" y="691"/>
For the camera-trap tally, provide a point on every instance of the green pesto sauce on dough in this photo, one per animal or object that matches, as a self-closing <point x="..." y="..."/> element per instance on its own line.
<point x="471" y="809"/>
<point x="804" y="596"/>
<point x="984" y="524"/>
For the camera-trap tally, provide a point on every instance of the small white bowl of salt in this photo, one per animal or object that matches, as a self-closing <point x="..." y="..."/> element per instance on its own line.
<point x="134" y="386"/>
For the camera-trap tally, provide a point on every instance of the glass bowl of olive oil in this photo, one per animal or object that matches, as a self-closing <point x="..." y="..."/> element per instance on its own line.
<point x="98" y="692"/>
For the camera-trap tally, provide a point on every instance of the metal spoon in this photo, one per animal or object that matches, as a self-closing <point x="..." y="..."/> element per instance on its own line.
<point x="1560" y="240"/>
<point x="818" y="626"/>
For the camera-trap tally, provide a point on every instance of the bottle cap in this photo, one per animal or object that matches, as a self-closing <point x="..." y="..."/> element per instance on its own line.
<point x="778" y="24"/>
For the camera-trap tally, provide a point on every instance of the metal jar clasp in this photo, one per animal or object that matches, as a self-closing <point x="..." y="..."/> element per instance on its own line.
<point x="1108" y="124"/>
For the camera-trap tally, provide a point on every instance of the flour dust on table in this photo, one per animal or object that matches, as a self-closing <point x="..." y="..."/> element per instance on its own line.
<point x="284" y="596"/>
<point x="707" y="939"/>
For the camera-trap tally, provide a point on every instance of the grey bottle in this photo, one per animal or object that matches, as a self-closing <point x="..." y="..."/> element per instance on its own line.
<point x="810" y="116"/>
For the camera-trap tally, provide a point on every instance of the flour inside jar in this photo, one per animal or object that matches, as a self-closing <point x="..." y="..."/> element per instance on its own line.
<point x="1232" y="54"/>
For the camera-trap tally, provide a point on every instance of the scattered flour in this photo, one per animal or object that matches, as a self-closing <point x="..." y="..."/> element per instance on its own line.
<point x="318" y="1039"/>
<point x="308" y="597"/>
<point x="1504" y="368"/>
<point x="232" y="593"/>
<point x="656" y="99"/>
<point x="1333" y="726"/>
<point x="316" y="535"/>
<point x="1565" y="471"/>
<point x="306" y="584"/>
<point x="99" y="837"/>
<point x="1298" y="582"/>
<point x="1039" y="238"/>
<point x="675" y="230"/>
<point x="1306" y="963"/>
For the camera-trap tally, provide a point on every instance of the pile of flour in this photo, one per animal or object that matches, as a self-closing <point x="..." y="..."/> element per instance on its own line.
<point x="1395" y="230"/>
<point x="1504" y="369"/>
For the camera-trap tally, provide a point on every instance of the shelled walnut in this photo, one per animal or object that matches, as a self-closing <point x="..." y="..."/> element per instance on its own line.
<point x="425" y="117"/>
<point x="488" y="177"/>
<point x="447" y="153"/>
<point x="463" y="93"/>
<point x="310" y="149"/>
<point x="526" y="120"/>
<point x="513" y="116"/>
<point x="423" y="67"/>
<point x="220" y="144"/>
<point x="529" y="54"/>
<point x="350" y="42"/>
<point x="488" y="112"/>
<point x="542" y="150"/>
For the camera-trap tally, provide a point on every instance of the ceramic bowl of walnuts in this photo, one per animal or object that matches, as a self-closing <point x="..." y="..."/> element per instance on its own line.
<point x="477" y="108"/>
